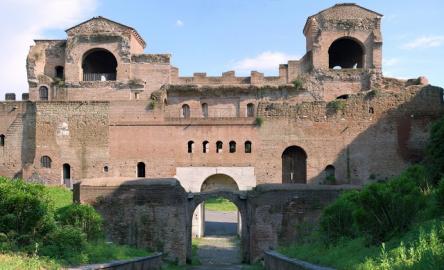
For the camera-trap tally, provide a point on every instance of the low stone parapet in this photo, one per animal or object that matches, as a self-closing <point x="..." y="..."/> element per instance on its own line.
<point x="277" y="261"/>
<point x="153" y="262"/>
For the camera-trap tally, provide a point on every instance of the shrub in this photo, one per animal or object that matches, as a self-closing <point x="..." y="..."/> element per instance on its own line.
<point x="83" y="217"/>
<point x="337" y="105"/>
<point x="378" y="211"/>
<point x="337" y="219"/>
<point x="66" y="243"/>
<point x="434" y="158"/>
<point x="298" y="84"/>
<point x="258" y="121"/>
<point x="25" y="212"/>
<point x="440" y="195"/>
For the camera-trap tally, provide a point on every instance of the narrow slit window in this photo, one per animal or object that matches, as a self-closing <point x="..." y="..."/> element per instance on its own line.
<point x="232" y="147"/>
<point x="205" y="147"/>
<point x="190" y="147"/>
<point x="247" y="147"/>
<point x="219" y="145"/>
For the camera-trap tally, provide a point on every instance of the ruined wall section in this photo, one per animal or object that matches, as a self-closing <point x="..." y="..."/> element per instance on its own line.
<point x="75" y="133"/>
<point x="390" y="128"/>
<point x="41" y="63"/>
<point x="17" y="124"/>
<point x="149" y="213"/>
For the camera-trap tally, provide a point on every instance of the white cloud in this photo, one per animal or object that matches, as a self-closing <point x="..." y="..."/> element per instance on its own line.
<point x="265" y="61"/>
<point x="179" y="23"/>
<point x="21" y="22"/>
<point x="389" y="62"/>
<point x="425" y="42"/>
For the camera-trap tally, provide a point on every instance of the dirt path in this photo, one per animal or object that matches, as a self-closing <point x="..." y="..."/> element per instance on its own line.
<point x="219" y="251"/>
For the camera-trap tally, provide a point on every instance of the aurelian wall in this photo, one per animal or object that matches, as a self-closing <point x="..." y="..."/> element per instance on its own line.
<point x="75" y="133"/>
<point x="145" y="213"/>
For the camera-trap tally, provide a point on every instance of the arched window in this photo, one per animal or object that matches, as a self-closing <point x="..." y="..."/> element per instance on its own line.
<point x="205" y="147"/>
<point x="345" y="53"/>
<point x="59" y="72"/>
<point x="232" y="147"/>
<point x="105" y="168"/>
<point x="190" y="147"/>
<point x="250" y="110"/>
<point x="99" y="65"/>
<point x="67" y="175"/>
<point x="219" y="145"/>
<point x="186" y="111"/>
<point x="45" y="162"/>
<point x="2" y="140"/>
<point x="294" y="165"/>
<point x="140" y="169"/>
<point x="330" y="176"/>
<point x="43" y="93"/>
<point x="247" y="147"/>
<point x="205" y="110"/>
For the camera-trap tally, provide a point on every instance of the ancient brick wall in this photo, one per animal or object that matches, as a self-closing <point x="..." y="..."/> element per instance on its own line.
<point x="144" y="213"/>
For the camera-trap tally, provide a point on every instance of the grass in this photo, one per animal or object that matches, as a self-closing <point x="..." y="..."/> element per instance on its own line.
<point x="11" y="261"/>
<point x="60" y="196"/>
<point x="422" y="247"/>
<point x="220" y="204"/>
<point x="103" y="252"/>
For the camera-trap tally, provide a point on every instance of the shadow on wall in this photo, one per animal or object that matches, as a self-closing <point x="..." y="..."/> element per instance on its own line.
<point x="146" y="213"/>
<point x="405" y="126"/>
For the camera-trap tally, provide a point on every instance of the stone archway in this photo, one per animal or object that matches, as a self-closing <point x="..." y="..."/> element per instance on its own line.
<point x="239" y="198"/>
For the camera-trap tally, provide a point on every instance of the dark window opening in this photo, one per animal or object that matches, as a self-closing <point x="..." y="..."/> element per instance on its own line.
<point x="343" y="97"/>
<point x="219" y="145"/>
<point x="205" y="146"/>
<point x="99" y="65"/>
<point x="232" y="147"/>
<point x="2" y="140"/>
<point x="330" y="175"/>
<point x="205" y="110"/>
<point x="105" y="169"/>
<point x="247" y="147"/>
<point x="59" y="72"/>
<point x="45" y="162"/>
<point x="140" y="169"/>
<point x="67" y="175"/>
<point x="294" y="165"/>
<point x="371" y="110"/>
<point x="190" y="147"/>
<point x="345" y="53"/>
<point x="250" y="110"/>
<point x="186" y="113"/>
<point x="43" y="93"/>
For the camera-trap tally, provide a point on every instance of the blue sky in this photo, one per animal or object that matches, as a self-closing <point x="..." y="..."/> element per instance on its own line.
<point x="215" y="36"/>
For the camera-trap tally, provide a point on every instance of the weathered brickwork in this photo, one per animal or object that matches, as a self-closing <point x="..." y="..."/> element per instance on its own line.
<point x="100" y="107"/>
<point x="157" y="213"/>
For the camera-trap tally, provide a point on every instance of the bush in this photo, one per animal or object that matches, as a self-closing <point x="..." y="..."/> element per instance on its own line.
<point x="440" y="195"/>
<point x="337" y="105"/>
<point x="337" y="219"/>
<point x="298" y="84"/>
<point x="66" y="243"/>
<point x="83" y="217"/>
<point x="25" y="213"/>
<point x="434" y="159"/>
<point x="378" y="211"/>
<point x="258" y="121"/>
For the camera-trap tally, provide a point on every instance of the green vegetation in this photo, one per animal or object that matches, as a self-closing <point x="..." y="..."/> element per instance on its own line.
<point x="41" y="228"/>
<point x="337" y="105"/>
<point x="395" y="224"/>
<point x="298" y="84"/>
<point x="220" y="204"/>
<point x="259" y="121"/>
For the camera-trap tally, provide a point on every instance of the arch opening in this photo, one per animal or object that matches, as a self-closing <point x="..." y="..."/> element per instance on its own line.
<point x="190" y="147"/>
<point x="345" y="53"/>
<point x="59" y="72"/>
<point x="43" y="93"/>
<point x="2" y="140"/>
<point x="141" y="169"/>
<point x="219" y="216"/>
<point x="205" y="110"/>
<point x="250" y="110"/>
<point x="205" y="147"/>
<point x="294" y="165"/>
<point x="45" y="162"/>
<point x="67" y="175"/>
<point x="99" y="65"/>
<point x="186" y="113"/>
<point x="330" y="174"/>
